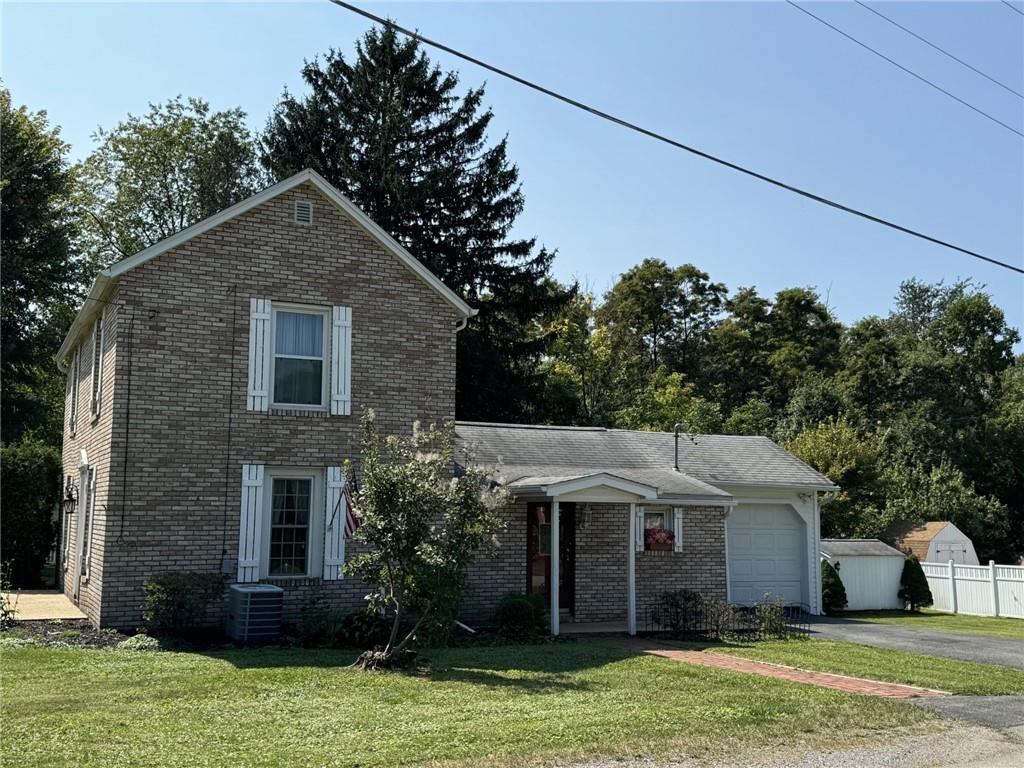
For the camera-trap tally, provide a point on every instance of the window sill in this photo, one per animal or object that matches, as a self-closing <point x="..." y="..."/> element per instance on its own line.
<point x="292" y="581"/>
<point x="307" y="413"/>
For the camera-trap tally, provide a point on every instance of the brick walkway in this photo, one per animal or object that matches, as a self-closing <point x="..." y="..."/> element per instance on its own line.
<point x="822" y="679"/>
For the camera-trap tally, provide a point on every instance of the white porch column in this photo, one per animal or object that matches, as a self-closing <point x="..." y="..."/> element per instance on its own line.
<point x="631" y="573"/>
<point x="555" y="566"/>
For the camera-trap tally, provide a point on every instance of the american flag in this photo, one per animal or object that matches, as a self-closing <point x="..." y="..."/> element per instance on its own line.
<point x="351" y="521"/>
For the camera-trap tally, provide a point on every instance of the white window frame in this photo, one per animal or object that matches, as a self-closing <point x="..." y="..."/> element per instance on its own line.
<point x="325" y="358"/>
<point x="96" y="382"/>
<point x="315" y="543"/>
<point x="74" y="371"/>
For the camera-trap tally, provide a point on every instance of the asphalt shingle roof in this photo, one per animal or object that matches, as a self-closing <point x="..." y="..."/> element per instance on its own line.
<point x="852" y="547"/>
<point x="543" y="451"/>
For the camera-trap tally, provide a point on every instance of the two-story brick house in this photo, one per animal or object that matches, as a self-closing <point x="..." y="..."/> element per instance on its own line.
<point x="215" y="383"/>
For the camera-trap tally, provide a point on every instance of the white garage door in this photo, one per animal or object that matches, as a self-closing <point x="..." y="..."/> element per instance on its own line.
<point x="766" y="553"/>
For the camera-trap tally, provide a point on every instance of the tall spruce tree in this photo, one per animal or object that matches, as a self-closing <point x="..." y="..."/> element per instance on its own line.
<point x="390" y="130"/>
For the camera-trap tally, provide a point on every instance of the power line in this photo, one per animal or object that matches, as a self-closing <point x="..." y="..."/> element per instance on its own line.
<point x="925" y="80"/>
<point x="910" y="32"/>
<point x="1013" y="7"/>
<point x="671" y="142"/>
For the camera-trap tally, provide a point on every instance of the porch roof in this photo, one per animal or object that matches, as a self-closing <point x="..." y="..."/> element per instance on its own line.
<point x="650" y="484"/>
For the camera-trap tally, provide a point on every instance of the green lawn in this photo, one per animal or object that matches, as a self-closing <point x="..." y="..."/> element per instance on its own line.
<point x="879" y="664"/>
<point x="945" y="622"/>
<point x="479" y="705"/>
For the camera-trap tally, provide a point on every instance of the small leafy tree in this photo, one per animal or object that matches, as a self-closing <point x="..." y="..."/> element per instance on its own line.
<point x="424" y="524"/>
<point x="914" y="585"/>
<point x="30" y="476"/>
<point x="833" y="593"/>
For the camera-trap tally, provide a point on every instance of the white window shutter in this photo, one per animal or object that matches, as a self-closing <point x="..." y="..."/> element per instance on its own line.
<point x="259" y="355"/>
<point x="638" y="521"/>
<point x="341" y="361"/>
<point x="250" y="524"/>
<point x="677" y="527"/>
<point x="334" y="528"/>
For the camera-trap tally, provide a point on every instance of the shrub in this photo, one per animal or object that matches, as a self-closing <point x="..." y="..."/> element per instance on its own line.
<point x="721" y="617"/>
<point x="833" y="593"/>
<point x="321" y="626"/>
<point x="140" y="642"/>
<point x="176" y="602"/>
<point x="30" y="477"/>
<point x="914" y="585"/>
<point x="362" y="629"/>
<point x="678" y="611"/>
<point x="7" y="609"/>
<point x="517" y="616"/>
<point x="770" y="619"/>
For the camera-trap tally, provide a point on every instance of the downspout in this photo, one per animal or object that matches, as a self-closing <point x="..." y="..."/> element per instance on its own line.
<point x="461" y="324"/>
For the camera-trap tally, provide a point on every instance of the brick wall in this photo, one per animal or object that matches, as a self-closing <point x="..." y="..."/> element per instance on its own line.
<point x="189" y="351"/>
<point x="495" y="574"/>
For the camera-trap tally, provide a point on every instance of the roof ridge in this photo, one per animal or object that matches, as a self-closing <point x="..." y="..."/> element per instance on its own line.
<point x="551" y="427"/>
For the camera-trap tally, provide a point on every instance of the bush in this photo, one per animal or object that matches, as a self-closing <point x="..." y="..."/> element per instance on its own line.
<point x="321" y="626"/>
<point x="140" y="642"/>
<point x="833" y="593"/>
<point x="7" y="609"/>
<point x="176" y="602"/>
<point x="770" y="620"/>
<point x="722" y="618"/>
<point x="519" y="616"/>
<point x="30" y="477"/>
<point x="678" y="611"/>
<point x="914" y="585"/>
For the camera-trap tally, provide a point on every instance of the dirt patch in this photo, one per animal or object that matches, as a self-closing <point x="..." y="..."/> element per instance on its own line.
<point x="63" y="633"/>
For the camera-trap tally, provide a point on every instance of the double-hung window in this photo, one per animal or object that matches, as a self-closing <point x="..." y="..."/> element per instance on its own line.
<point x="293" y="523"/>
<point x="299" y="377"/>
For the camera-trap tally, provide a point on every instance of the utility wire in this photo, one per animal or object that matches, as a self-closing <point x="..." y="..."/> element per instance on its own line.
<point x="1013" y="7"/>
<point x="958" y="60"/>
<point x="671" y="142"/>
<point x="925" y="80"/>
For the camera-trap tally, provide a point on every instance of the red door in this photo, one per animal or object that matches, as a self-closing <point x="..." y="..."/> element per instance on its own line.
<point x="538" y="553"/>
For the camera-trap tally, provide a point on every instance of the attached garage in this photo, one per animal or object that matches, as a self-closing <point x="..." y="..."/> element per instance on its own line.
<point x="767" y="554"/>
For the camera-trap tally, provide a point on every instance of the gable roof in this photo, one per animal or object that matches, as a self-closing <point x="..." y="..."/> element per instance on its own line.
<point x="523" y="452"/>
<point x="105" y="279"/>
<point x="913" y="536"/>
<point x="854" y="547"/>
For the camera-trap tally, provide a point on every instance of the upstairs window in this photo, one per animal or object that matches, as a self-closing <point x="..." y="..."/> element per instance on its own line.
<point x="299" y="374"/>
<point x="97" y="366"/>
<point x="73" y="373"/>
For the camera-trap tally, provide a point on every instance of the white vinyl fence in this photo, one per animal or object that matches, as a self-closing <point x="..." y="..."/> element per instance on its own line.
<point x="978" y="590"/>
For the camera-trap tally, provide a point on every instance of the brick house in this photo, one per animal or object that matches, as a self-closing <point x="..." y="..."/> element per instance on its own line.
<point x="215" y="382"/>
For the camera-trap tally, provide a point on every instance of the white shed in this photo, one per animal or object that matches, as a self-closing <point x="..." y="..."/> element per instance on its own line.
<point x="933" y="542"/>
<point x="870" y="571"/>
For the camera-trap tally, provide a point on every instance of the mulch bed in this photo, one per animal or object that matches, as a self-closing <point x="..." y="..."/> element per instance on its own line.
<point x="66" y="632"/>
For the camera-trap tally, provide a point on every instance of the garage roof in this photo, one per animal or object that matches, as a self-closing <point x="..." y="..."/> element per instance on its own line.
<point x="520" y="452"/>
<point x="854" y="547"/>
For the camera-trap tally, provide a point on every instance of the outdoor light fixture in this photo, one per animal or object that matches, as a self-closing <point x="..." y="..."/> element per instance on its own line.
<point x="70" y="500"/>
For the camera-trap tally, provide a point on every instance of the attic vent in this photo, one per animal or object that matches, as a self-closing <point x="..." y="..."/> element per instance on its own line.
<point x="303" y="212"/>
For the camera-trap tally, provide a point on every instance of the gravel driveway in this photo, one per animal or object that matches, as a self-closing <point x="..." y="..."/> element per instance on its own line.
<point x="961" y="646"/>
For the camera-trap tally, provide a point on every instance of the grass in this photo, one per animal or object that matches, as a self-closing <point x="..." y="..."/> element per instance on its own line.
<point x="471" y="706"/>
<point x="959" y="677"/>
<point x="945" y="622"/>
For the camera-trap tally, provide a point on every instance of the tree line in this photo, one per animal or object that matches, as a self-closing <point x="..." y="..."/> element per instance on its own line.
<point x="917" y="414"/>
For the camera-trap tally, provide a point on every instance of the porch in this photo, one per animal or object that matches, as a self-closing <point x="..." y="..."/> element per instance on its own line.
<point x="600" y="547"/>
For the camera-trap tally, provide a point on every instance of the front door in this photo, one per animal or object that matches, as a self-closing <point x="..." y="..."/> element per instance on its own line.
<point x="538" y="553"/>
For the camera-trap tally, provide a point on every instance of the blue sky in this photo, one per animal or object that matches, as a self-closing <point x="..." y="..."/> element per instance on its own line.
<point x="758" y="83"/>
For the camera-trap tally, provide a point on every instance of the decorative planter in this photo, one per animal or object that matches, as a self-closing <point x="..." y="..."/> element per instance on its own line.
<point x="659" y="540"/>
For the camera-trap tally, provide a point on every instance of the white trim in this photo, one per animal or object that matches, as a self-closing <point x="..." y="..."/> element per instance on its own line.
<point x="302" y="177"/>
<point x="555" y="567"/>
<point x="87" y="527"/>
<point x="249" y="528"/>
<point x="258" y="364"/>
<point x="324" y="358"/>
<point x="677" y="528"/>
<point x="341" y="361"/>
<point x="631" y="573"/>
<point x="599" y="479"/>
<point x="314" y="527"/>
<point x="74" y="374"/>
<point x="83" y="499"/>
<point x="96" y="371"/>
<point x="334" y="527"/>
